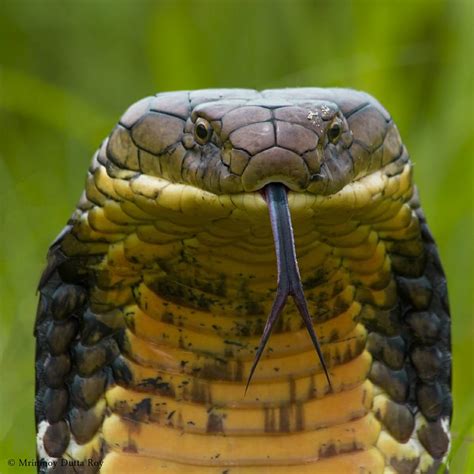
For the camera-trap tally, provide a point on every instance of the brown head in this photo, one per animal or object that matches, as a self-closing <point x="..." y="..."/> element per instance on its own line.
<point x="237" y="140"/>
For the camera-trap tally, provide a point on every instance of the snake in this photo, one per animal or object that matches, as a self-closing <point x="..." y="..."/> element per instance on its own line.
<point x="247" y="285"/>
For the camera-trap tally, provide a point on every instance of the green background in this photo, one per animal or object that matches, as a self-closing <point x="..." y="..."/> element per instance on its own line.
<point x="69" y="68"/>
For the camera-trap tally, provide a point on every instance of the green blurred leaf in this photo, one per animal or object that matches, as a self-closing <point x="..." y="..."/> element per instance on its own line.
<point x="53" y="106"/>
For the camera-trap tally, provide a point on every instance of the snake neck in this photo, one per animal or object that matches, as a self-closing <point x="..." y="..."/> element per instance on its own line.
<point x="189" y="290"/>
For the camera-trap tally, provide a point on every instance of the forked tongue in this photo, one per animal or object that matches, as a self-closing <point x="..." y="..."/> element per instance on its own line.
<point x="289" y="279"/>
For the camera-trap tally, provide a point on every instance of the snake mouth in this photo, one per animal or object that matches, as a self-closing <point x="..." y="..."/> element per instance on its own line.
<point x="289" y="279"/>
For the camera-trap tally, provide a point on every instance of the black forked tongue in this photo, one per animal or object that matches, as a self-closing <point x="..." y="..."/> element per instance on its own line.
<point x="289" y="279"/>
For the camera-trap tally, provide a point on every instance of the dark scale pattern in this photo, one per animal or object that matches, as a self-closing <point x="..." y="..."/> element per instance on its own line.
<point x="434" y="439"/>
<point x="84" y="424"/>
<point x="55" y="403"/>
<point x="432" y="359"/>
<point x="425" y="310"/>
<point x="394" y="382"/>
<point x="60" y="335"/>
<point x="390" y="350"/>
<point x="75" y="348"/>
<point x="399" y="421"/>
<point x="85" y="391"/>
<point x="56" y="438"/>
<point x="412" y="348"/>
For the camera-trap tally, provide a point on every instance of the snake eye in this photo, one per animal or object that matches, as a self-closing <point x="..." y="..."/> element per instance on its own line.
<point x="202" y="131"/>
<point x="334" y="131"/>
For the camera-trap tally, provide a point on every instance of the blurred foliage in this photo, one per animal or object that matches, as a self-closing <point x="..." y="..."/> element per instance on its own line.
<point x="69" y="68"/>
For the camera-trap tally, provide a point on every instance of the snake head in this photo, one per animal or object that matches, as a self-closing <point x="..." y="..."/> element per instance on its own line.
<point x="237" y="140"/>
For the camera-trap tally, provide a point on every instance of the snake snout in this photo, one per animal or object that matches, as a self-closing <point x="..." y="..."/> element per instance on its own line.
<point x="276" y="165"/>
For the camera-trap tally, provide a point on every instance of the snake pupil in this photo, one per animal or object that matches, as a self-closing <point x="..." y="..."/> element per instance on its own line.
<point x="201" y="131"/>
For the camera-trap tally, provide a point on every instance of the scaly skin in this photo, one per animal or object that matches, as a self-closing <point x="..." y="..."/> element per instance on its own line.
<point x="156" y="294"/>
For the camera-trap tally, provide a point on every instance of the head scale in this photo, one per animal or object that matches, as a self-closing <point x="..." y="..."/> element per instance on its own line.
<point x="236" y="140"/>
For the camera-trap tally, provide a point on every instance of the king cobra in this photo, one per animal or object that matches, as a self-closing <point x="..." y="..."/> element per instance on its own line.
<point x="247" y="285"/>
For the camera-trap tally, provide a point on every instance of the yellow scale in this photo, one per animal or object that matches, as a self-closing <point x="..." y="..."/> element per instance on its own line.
<point x="186" y="409"/>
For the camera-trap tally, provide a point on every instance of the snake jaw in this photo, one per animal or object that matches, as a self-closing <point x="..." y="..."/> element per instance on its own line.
<point x="289" y="279"/>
